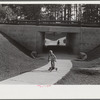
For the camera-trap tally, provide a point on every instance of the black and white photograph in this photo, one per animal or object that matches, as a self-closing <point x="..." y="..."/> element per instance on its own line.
<point x="50" y="44"/>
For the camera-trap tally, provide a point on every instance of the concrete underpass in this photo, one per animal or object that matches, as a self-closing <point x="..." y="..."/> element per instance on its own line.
<point x="31" y="36"/>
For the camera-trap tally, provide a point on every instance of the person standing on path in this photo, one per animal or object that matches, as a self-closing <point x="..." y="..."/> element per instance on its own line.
<point x="52" y="58"/>
<point x="58" y="42"/>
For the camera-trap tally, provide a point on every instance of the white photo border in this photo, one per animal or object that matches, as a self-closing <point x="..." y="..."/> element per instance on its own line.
<point x="53" y="91"/>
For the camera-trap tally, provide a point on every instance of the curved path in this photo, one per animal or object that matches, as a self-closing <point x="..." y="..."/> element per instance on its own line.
<point x="42" y="76"/>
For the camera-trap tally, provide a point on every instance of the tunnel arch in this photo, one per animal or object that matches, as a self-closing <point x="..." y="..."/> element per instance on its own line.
<point x="69" y="42"/>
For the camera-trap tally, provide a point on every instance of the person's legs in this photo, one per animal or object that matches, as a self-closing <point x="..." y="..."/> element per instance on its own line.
<point x="50" y="69"/>
<point x="52" y="65"/>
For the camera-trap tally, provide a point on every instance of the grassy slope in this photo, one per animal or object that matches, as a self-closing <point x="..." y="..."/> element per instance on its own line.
<point x="94" y="54"/>
<point x="77" y="77"/>
<point x="13" y="61"/>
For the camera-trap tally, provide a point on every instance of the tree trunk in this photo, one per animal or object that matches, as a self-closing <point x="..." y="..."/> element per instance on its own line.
<point x="65" y="12"/>
<point x="69" y="13"/>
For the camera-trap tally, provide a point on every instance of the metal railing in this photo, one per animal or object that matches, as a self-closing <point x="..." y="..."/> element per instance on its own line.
<point x="52" y="23"/>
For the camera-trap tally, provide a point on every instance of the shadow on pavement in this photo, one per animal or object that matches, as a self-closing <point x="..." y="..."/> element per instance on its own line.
<point x="40" y="71"/>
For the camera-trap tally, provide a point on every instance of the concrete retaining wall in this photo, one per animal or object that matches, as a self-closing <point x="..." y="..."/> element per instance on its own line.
<point x="28" y="36"/>
<point x="89" y="38"/>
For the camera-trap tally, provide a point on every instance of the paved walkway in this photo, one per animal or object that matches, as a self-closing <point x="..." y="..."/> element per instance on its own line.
<point x="42" y="76"/>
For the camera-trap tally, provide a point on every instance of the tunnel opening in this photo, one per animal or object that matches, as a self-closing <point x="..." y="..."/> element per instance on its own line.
<point x="56" y="41"/>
